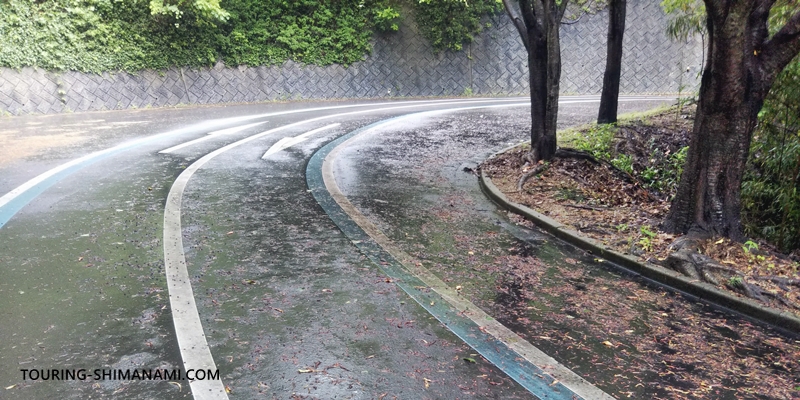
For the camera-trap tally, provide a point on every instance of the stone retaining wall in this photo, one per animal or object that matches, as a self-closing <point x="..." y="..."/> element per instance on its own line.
<point x="402" y="64"/>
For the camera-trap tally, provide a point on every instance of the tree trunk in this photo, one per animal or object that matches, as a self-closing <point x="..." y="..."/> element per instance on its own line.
<point x="538" y="27"/>
<point x="610" y="96"/>
<point x="742" y="64"/>
<point x="544" y="70"/>
<point x="708" y="197"/>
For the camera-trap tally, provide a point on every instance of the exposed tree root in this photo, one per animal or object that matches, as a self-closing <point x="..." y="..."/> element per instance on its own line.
<point x="782" y="283"/>
<point x="687" y="260"/>
<point x="538" y="169"/>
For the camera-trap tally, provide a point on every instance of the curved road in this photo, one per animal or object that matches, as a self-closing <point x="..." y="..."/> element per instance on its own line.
<point x="213" y="239"/>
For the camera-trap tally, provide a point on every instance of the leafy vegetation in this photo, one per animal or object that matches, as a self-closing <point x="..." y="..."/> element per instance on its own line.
<point x="655" y="158"/>
<point x="449" y="24"/>
<point x="106" y="35"/>
<point x="131" y="35"/>
<point x="687" y="17"/>
<point x="771" y="187"/>
<point x="597" y="140"/>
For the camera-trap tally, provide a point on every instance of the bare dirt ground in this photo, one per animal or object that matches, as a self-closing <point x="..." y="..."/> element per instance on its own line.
<point x="680" y="352"/>
<point x="619" y="210"/>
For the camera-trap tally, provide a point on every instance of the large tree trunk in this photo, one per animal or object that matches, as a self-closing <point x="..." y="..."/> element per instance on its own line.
<point x="610" y="96"/>
<point x="742" y="64"/>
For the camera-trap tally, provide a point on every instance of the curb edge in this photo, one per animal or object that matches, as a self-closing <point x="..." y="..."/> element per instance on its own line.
<point x="704" y="291"/>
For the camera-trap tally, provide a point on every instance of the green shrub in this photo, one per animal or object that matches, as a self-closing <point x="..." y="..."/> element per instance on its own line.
<point x="449" y="24"/>
<point x="597" y="140"/>
<point x="130" y="35"/>
<point x="771" y="186"/>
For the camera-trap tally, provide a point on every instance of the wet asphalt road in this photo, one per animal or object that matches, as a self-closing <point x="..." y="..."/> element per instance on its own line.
<point x="289" y="306"/>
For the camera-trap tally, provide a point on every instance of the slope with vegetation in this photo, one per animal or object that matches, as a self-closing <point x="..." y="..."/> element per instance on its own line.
<point x="131" y="35"/>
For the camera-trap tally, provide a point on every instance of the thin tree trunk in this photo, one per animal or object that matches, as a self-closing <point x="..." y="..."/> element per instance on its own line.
<point x="610" y="95"/>
<point x="537" y="73"/>
<point x="553" y="43"/>
<point x="538" y="25"/>
<point x="544" y="68"/>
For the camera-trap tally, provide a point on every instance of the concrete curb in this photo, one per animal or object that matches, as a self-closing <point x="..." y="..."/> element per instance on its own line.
<point x="704" y="291"/>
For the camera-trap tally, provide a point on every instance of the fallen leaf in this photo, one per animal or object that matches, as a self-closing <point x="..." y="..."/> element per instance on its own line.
<point x="178" y="385"/>
<point x="228" y="389"/>
<point x="427" y="382"/>
<point x="470" y="360"/>
<point x="609" y="344"/>
<point x="10" y="387"/>
<point x="305" y="370"/>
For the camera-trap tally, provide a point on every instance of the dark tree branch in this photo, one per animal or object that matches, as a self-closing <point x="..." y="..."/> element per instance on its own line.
<point x="530" y="18"/>
<point x="783" y="46"/>
<point x="573" y="22"/>
<point x="763" y="6"/>
<point x="518" y="23"/>
<point x="609" y="99"/>
<point x="561" y="9"/>
<point x="758" y="23"/>
<point x="538" y="10"/>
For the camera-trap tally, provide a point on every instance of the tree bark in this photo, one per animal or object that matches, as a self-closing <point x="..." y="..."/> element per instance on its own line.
<point x="610" y="95"/>
<point x="743" y="62"/>
<point x="538" y="27"/>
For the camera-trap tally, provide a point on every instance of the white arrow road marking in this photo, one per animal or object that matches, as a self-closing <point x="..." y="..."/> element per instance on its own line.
<point x="228" y="131"/>
<point x="287" y="142"/>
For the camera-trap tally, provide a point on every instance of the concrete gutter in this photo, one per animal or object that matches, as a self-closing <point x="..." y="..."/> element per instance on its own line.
<point x="783" y="320"/>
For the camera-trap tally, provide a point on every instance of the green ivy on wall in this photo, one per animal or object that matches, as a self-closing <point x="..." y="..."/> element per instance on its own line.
<point x="449" y="24"/>
<point x="107" y="35"/>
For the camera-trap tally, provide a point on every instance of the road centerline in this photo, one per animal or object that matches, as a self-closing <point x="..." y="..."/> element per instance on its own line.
<point x="221" y="132"/>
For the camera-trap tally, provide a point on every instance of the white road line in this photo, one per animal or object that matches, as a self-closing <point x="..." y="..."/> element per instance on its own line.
<point x="487" y="324"/>
<point x="192" y="342"/>
<point x="45" y="177"/>
<point x="228" y="131"/>
<point x="287" y="142"/>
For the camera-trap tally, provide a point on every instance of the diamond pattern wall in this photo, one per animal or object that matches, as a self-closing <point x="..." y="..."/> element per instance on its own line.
<point x="402" y="64"/>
